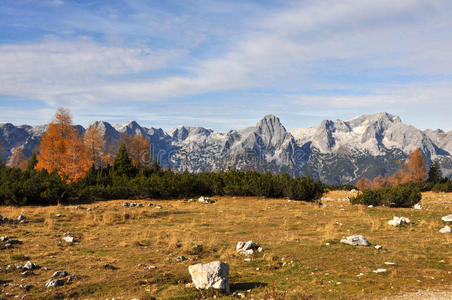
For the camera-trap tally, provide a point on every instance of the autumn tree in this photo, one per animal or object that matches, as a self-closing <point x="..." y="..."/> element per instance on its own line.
<point x="138" y="148"/>
<point x="62" y="149"/>
<point x="18" y="159"/>
<point x="415" y="167"/>
<point x="97" y="147"/>
<point x="363" y="184"/>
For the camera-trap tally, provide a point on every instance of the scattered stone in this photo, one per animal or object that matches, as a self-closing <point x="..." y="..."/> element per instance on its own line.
<point x="21" y="218"/>
<point x="26" y="273"/>
<point x="247" y="248"/>
<point x="378" y="247"/>
<point x="389" y="263"/>
<point x="447" y="218"/>
<point x="17" y="266"/>
<point x="356" y="240"/>
<point x="211" y="275"/>
<point x="139" y="205"/>
<point x="446" y="229"/>
<point x="133" y="204"/>
<point x="71" y="278"/>
<point x="150" y="267"/>
<point x="247" y="259"/>
<point x="4" y="238"/>
<point x="417" y="206"/>
<point x="68" y="239"/>
<point x="60" y="273"/>
<point x="108" y="266"/>
<point x="126" y="204"/>
<point x="379" y="270"/>
<point x="396" y="221"/>
<point x="55" y="282"/>
<point x="353" y="191"/>
<point x="206" y="200"/>
<point x="30" y="266"/>
<point x="159" y="207"/>
<point x="26" y="287"/>
<point x="370" y="206"/>
<point x="197" y="248"/>
<point x="57" y="215"/>
<point x="181" y="258"/>
<point x="150" y="204"/>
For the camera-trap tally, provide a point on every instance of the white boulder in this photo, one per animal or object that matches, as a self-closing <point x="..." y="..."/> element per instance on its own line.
<point x="396" y="221"/>
<point x="211" y="275"/>
<point x="446" y="229"/>
<point x="417" y="206"/>
<point x="247" y="248"/>
<point x="356" y="240"/>
<point x="447" y="218"/>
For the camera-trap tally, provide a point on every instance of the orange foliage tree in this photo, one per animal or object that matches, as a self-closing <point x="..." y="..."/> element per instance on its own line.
<point x="139" y="150"/>
<point x="97" y="147"/>
<point x="412" y="171"/>
<point x="18" y="159"/>
<point x="62" y="149"/>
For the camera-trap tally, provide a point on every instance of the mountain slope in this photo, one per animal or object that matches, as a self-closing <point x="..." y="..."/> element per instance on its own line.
<point x="335" y="151"/>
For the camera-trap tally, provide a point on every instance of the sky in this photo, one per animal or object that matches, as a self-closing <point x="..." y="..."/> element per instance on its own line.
<point x="224" y="64"/>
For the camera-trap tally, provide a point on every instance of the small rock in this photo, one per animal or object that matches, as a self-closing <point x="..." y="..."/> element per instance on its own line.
<point x="133" y="204"/>
<point x="57" y="215"/>
<point x="68" y="239"/>
<point x="446" y="229"/>
<point x="211" y="275"/>
<point x="139" y="205"/>
<point x="21" y="218"/>
<point x="396" y="221"/>
<point x="181" y="258"/>
<point x="247" y="259"/>
<point x="370" y="206"/>
<point x="4" y="238"/>
<point x="60" y="273"/>
<point x="356" y="240"/>
<point x="417" y="206"/>
<point x="30" y="266"/>
<point x="247" y="248"/>
<point x="380" y="270"/>
<point x="126" y="204"/>
<point x="26" y="287"/>
<point x="150" y="204"/>
<point x="150" y="267"/>
<point x="389" y="263"/>
<point x="447" y="218"/>
<point x="159" y="207"/>
<point x="378" y="247"/>
<point x="206" y="200"/>
<point x="55" y="282"/>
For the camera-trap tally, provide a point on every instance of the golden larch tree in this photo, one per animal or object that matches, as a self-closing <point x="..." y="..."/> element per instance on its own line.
<point x="96" y="144"/>
<point x="62" y="149"/>
<point x="139" y="150"/>
<point x="416" y="167"/>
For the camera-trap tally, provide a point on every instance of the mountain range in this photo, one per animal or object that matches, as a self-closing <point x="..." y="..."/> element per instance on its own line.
<point x="337" y="152"/>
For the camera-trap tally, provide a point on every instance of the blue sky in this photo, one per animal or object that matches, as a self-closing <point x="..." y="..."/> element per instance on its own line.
<point x="225" y="64"/>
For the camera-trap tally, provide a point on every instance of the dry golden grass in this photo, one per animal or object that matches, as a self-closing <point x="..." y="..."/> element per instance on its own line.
<point x="296" y="262"/>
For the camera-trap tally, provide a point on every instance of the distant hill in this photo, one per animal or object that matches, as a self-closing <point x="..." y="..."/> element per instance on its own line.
<point x="335" y="151"/>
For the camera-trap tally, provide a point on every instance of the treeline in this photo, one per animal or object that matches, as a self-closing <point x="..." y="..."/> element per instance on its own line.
<point x="71" y="167"/>
<point x="124" y="181"/>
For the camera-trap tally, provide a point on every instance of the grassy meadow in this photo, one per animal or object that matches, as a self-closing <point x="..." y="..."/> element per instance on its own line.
<point x="302" y="257"/>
